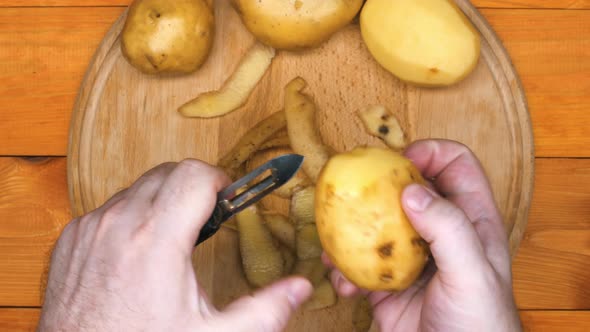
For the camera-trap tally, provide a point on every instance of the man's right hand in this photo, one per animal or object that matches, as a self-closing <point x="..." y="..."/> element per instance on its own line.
<point x="469" y="286"/>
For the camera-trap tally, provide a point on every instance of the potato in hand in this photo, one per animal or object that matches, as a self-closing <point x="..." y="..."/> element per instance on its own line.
<point x="361" y="223"/>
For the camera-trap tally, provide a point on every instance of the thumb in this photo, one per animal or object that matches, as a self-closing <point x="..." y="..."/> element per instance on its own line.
<point x="452" y="238"/>
<point x="267" y="310"/>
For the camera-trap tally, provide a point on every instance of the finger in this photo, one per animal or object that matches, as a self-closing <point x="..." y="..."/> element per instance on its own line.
<point x="459" y="176"/>
<point x="186" y="200"/>
<point x="268" y="309"/>
<point x="453" y="241"/>
<point x="343" y="286"/>
<point x="326" y="260"/>
<point x="145" y="187"/>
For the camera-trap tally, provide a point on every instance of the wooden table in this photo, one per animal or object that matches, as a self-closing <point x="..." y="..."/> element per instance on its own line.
<point x="46" y="45"/>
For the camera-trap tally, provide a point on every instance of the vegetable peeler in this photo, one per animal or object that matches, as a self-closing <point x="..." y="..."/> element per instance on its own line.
<point x="229" y="202"/>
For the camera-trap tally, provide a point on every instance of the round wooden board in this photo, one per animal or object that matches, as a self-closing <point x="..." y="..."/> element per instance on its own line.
<point x="125" y="123"/>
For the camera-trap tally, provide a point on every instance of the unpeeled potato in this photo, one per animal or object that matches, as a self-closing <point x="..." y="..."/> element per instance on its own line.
<point x="296" y="24"/>
<point x="361" y="224"/>
<point x="425" y="42"/>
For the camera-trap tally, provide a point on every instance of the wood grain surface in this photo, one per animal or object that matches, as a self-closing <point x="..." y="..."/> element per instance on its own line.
<point x="130" y="119"/>
<point x="25" y="320"/>
<point x="548" y="47"/>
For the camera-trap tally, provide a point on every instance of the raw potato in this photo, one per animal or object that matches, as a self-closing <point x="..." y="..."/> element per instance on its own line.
<point x="251" y="141"/>
<point x="381" y="123"/>
<point x="281" y="229"/>
<point x="297" y="182"/>
<point x="168" y="36"/>
<point x="235" y="91"/>
<point x="312" y="269"/>
<point x="296" y="24"/>
<point x="261" y="259"/>
<point x="323" y="296"/>
<point x="303" y="133"/>
<point x="425" y="42"/>
<point x="362" y="226"/>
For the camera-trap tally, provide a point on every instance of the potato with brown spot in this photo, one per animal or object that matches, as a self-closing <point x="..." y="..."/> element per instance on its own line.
<point x="361" y="223"/>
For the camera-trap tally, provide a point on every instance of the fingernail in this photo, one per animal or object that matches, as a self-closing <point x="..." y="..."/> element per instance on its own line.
<point x="418" y="198"/>
<point x="299" y="290"/>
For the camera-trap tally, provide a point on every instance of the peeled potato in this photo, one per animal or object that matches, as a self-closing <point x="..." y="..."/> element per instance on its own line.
<point x="261" y="258"/>
<point x="361" y="224"/>
<point x="296" y="24"/>
<point x="425" y="42"/>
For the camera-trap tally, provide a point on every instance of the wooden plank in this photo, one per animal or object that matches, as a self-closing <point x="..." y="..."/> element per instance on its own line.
<point x="19" y="319"/>
<point x="552" y="268"/>
<point x="34" y="207"/>
<point x="555" y="4"/>
<point x="551" y="52"/>
<point x="25" y="320"/>
<point x="551" y="321"/>
<point x="44" y="53"/>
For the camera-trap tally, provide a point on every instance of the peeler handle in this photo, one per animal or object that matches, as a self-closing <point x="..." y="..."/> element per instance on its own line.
<point x="212" y="225"/>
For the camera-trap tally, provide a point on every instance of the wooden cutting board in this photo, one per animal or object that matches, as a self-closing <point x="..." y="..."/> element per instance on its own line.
<point x="125" y="123"/>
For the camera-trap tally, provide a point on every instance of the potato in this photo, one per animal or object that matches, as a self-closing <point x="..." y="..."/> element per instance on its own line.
<point x="425" y="42"/>
<point x="280" y="227"/>
<point x="361" y="224"/>
<point x="323" y="296"/>
<point x="303" y="133"/>
<point x="168" y="36"/>
<point x="261" y="258"/>
<point x="296" y="24"/>
<point x="236" y="89"/>
<point x="249" y="143"/>
<point x="381" y="123"/>
<point x="297" y="182"/>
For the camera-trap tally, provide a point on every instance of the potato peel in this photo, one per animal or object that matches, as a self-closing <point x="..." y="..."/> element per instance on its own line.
<point x="237" y="88"/>
<point x="304" y="135"/>
<point x="381" y="123"/>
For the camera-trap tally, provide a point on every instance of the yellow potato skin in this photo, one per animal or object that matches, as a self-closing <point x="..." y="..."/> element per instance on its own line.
<point x="296" y="24"/>
<point x="361" y="223"/>
<point x="424" y="42"/>
<point x="172" y="37"/>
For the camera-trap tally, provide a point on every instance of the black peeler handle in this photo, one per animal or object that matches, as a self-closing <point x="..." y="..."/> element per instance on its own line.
<point x="212" y="225"/>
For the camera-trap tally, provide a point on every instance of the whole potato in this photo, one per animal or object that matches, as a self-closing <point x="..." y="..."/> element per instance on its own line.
<point x="361" y="223"/>
<point x="163" y="36"/>
<point x="296" y="24"/>
<point x="424" y="42"/>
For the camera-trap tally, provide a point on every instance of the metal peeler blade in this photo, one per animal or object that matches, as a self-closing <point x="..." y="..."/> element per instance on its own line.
<point x="229" y="202"/>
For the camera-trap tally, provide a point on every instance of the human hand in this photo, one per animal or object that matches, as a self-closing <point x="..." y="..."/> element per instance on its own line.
<point x="127" y="265"/>
<point x="469" y="285"/>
